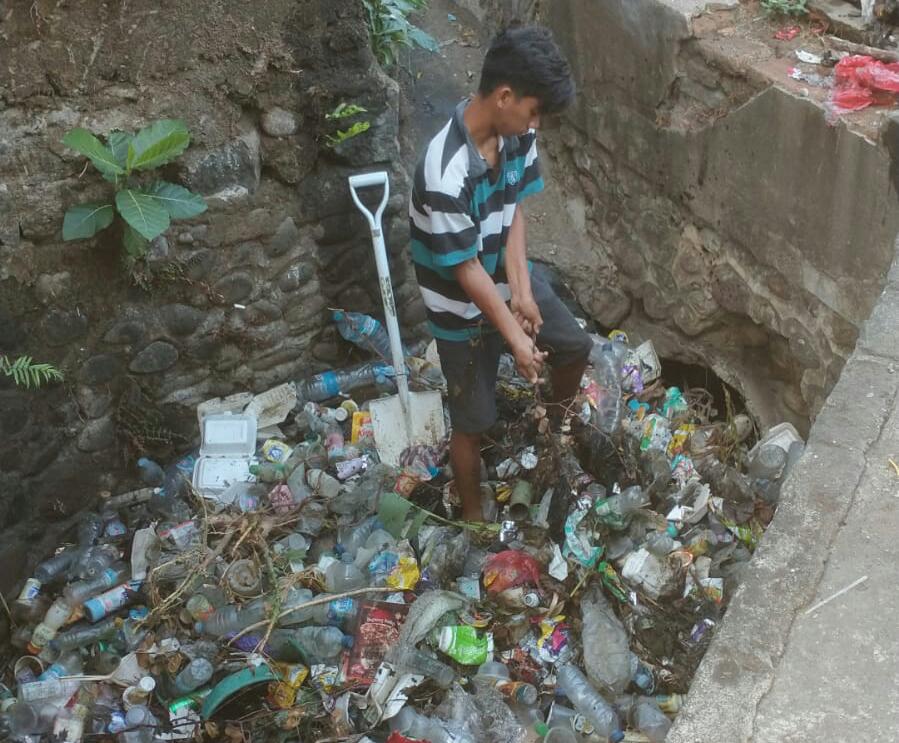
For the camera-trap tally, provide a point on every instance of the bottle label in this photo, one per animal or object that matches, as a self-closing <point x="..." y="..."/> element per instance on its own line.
<point x="339" y="609"/>
<point x="332" y="387"/>
<point x="110" y="575"/>
<point x="30" y="590"/>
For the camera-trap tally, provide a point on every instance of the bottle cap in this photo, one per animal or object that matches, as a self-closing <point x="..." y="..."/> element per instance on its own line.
<point x="347" y="641"/>
<point x="541" y="728"/>
<point x="616" y="736"/>
<point x="147" y="684"/>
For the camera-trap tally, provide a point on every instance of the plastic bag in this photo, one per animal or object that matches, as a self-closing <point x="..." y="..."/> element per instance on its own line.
<point x="861" y="81"/>
<point x="510" y="569"/>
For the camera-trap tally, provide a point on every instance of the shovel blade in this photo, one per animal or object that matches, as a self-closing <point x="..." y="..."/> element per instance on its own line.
<point x="389" y="425"/>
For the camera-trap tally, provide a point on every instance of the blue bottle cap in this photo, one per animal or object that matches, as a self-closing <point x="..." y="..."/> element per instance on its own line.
<point x="347" y="641"/>
<point x="616" y="736"/>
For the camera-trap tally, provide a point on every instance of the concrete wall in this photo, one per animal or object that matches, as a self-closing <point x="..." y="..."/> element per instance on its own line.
<point x="746" y="231"/>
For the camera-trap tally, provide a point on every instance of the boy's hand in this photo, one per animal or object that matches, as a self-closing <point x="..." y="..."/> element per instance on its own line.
<point x="527" y="314"/>
<point x="528" y="358"/>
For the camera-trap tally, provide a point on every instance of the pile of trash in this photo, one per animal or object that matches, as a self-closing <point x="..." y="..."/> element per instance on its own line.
<point x="281" y="583"/>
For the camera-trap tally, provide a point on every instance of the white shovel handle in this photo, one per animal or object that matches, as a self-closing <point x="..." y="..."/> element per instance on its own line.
<point x="367" y="180"/>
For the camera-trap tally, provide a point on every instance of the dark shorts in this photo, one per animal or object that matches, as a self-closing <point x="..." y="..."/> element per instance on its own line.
<point x="470" y="366"/>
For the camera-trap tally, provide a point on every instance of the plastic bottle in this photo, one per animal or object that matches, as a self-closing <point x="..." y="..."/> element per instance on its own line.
<point x="413" y="660"/>
<point x="233" y="618"/>
<point x="31" y="718"/>
<point x="193" y="675"/>
<point x="55" y="566"/>
<point x="84" y="636"/>
<point x="607" y="361"/>
<point x="295" y="597"/>
<point x="77" y="593"/>
<point x="607" y="657"/>
<point x="150" y="472"/>
<point x="89" y="529"/>
<point x="335" y="445"/>
<point x="112" y="600"/>
<point x="330" y="384"/>
<point x="335" y="613"/>
<point x="616" y="510"/>
<point x="140" y="726"/>
<point x="50" y="688"/>
<point x="268" y="472"/>
<point x="351" y="538"/>
<point x="342" y="575"/>
<point x="412" y="724"/>
<point x="364" y="331"/>
<point x="93" y="561"/>
<point x="650" y="720"/>
<point x="315" y="644"/>
<point x="589" y="702"/>
<point x="68" y="664"/>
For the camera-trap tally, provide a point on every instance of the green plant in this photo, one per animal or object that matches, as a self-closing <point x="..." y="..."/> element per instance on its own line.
<point x="145" y="203"/>
<point x="346" y="111"/>
<point x="785" y="7"/>
<point x="26" y="373"/>
<point x="390" y="29"/>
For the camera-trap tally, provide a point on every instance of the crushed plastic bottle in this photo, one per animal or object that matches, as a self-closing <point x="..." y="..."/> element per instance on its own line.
<point x="330" y="384"/>
<point x="607" y="656"/>
<point x="589" y="702"/>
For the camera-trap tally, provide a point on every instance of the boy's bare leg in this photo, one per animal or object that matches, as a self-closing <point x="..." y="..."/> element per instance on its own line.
<point x="465" y="457"/>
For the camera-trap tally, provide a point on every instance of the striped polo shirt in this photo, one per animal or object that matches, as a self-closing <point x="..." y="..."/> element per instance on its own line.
<point x="461" y="209"/>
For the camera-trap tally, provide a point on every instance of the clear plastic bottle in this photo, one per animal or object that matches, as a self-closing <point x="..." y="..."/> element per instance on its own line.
<point x="233" y="618"/>
<point x="31" y="718"/>
<point x="77" y="593"/>
<point x="342" y="575"/>
<point x="68" y="664"/>
<point x="140" y="726"/>
<point x="193" y="675"/>
<point x="650" y="720"/>
<point x="55" y="566"/>
<point x="90" y="529"/>
<point x="295" y="597"/>
<point x="589" y="702"/>
<point x="351" y="538"/>
<point x="315" y="644"/>
<point x="607" y="360"/>
<point x="607" y="657"/>
<point x="83" y="636"/>
<point x="330" y="384"/>
<point x="413" y="660"/>
<point x="412" y="724"/>
<point x="93" y="561"/>
<point x="364" y="331"/>
<point x="616" y="510"/>
<point x="336" y="613"/>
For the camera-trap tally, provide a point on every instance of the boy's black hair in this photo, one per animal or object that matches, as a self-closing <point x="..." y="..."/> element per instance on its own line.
<point x="528" y="61"/>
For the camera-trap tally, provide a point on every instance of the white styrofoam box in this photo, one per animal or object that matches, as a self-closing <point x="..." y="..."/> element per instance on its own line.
<point x="228" y="443"/>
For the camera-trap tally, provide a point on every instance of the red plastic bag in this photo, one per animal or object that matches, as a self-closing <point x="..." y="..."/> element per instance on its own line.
<point x="510" y="569"/>
<point x="396" y="737"/>
<point x="861" y="81"/>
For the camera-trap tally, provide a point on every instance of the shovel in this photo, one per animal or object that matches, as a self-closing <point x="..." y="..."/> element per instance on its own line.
<point x="408" y="418"/>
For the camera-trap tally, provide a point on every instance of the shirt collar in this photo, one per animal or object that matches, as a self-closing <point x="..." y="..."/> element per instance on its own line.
<point x="477" y="165"/>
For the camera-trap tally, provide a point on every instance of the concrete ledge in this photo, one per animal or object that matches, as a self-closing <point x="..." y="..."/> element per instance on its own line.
<point x="729" y="700"/>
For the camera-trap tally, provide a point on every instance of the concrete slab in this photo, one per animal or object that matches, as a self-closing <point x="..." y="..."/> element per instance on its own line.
<point x="839" y="676"/>
<point x="880" y="335"/>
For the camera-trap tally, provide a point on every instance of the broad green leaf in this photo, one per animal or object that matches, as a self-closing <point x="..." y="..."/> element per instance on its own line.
<point x="424" y="40"/>
<point x="176" y="200"/>
<point x="392" y="511"/>
<point x="142" y="212"/>
<point x="135" y="245"/>
<point x="81" y="140"/>
<point x="157" y="144"/>
<point x="118" y="142"/>
<point x="86" y="220"/>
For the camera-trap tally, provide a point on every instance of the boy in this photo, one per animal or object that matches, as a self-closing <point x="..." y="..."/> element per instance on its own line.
<point x="468" y="245"/>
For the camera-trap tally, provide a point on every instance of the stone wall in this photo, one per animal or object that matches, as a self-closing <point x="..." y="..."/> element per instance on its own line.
<point x="233" y="300"/>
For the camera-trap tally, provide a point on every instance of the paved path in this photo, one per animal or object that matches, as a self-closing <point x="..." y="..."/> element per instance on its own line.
<point x="775" y="673"/>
